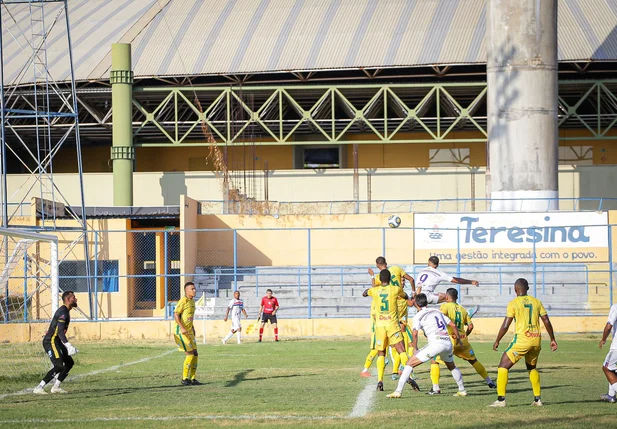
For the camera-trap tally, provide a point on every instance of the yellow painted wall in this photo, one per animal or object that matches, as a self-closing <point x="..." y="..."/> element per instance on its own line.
<point x="288" y="328"/>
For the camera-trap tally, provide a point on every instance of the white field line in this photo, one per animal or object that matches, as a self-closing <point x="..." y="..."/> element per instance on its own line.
<point x="98" y="371"/>
<point x="169" y="418"/>
<point x="363" y="401"/>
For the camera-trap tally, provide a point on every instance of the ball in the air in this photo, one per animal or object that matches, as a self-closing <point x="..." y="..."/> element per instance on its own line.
<point x="394" y="221"/>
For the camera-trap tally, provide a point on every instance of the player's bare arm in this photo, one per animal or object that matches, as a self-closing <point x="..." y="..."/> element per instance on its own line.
<point x="414" y="339"/>
<point x="227" y="315"/>
<point x="412" y="282"/>
<point x="549" y="329"/>
<point x="179" y="322"/>
<point x="502" y="331"/>
<point x="456" y="333"/>
<point x="462" y="281"/>
<point x="365" y="293"/>
<point x="469" y="329"/>
<point x="607" y="331"/>
<point x="245" y="315"/>
<point x="275" y="310"/>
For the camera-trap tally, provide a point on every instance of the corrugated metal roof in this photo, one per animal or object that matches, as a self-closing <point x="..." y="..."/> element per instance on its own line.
<point x="184" y="37"/>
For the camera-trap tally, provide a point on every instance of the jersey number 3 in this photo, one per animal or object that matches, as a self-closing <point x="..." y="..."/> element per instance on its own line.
<point x="384" y="302"/>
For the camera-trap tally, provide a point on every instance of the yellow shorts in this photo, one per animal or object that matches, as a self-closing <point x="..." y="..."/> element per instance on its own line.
<point x="186" y="343"/>
<point x="465" y="351"/>
<point x="387" y="335"/>
<point x="517" y="349"/>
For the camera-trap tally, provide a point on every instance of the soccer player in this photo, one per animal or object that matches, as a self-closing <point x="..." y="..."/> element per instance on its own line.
<point x="236" y="306"/>
<point x="434" y="324"/>
<point x="185" y="334"/>
<point x="610" y="363"/>
<point x="387" y="328"/>
<point x="57" y="346"/>
<point x="267" y="312"/>
<point x="430" y="277"/>
<point x="397" y="278"/>
<point x="527" y="341"/>
<point x="373" y="352"/>
<point x="456" y="312"/>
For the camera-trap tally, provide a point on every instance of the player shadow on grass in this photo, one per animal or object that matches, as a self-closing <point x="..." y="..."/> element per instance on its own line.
<point x="241" y="376"/>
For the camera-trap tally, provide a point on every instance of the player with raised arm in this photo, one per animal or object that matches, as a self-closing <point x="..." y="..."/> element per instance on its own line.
<point x="527" y="342"/>
<point x="184" y="334"/>
<point x="236" y="306"/>
<point x="610" y="363"/>
<point x="387" y="328"/>
<point x="57" y="346"/>
<point x="373" y="351"/>
<point x="457" y="313"/>
<point x="430" y="277"/>
<point x="435" y="326"/>
<point x="397" y="278"/>
<point x="267" y="312"/>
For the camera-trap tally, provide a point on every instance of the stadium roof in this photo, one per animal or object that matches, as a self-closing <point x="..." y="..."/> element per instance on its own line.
<point x="228" y="37"/>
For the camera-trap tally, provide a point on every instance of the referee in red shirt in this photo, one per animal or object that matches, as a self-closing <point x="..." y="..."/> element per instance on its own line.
<point x="267" y="311"/>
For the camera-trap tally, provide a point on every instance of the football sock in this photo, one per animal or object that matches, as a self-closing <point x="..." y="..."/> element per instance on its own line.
<point x="261" y="333"/>
<point x="43" y="384"/>
<point x="193" y="369"/>
<point x="228" y="336"/>
<point x="612" y="389"/>
<point x="396" y="360"/>
<point x="435" y="376"/>
<point x="481" y="370"/>
<point x="57" y="383"/>
<point x="276" y="333"/>
<point x="534" y="377"/>
<point x="369" y="359"/>
<point x="502" y="382"/>
<point x="381" y="367"/>
<point x="458" y="377"/>
<point x="188" y="360"/>
<point x="401" y="381"/>
<point x="239" y="336"/>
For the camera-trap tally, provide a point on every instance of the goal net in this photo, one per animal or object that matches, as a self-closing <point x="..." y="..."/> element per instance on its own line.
<point x="29" y="293"/>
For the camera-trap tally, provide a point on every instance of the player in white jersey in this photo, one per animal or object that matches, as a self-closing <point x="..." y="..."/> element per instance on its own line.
<point x="610" y="363"/>
<point x="236" y="306"/>
<point x="428" y="279"/>
<point x="435" y="326"/>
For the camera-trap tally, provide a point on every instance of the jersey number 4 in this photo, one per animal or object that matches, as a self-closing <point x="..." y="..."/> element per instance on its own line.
<point x="440" y="324"/>
<point x="385" y="306"/>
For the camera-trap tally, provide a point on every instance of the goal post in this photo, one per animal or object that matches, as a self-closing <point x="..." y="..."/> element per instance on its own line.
<point x="29" y="285"/>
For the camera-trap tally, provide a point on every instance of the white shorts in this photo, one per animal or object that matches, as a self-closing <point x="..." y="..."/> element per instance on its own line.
<point x="440" y="348"/>
<point x="611" y="360"/>
<point x="433" y="298"/>
<point x="235" y="324"/>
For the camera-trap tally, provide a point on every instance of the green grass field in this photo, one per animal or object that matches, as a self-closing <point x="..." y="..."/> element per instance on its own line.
<point x="302" y="383"/>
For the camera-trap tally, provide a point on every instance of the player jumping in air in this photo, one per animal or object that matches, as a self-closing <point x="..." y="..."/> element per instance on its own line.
<point x="397" y="278"/>
<point x="57" y="346"/>
<point x="430" y="277"/>
<point x="184" y="334"/>
<point x="236" y="306"/>
<point x="610" y="363"/>
<point x="434" y="324"/>
<point x="460" y="316"/>
<point x="267" y="312"/>
<point x="387" y="328"/>
<point x="527" y="341"/>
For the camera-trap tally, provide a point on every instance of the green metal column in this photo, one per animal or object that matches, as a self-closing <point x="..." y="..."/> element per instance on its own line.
<point x="122" y="150"/>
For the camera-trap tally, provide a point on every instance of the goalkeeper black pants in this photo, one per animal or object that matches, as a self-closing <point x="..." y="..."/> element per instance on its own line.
<point x="60" y="359"/>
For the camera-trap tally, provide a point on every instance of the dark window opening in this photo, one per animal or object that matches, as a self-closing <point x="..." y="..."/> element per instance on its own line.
<point x="327" y="157"/>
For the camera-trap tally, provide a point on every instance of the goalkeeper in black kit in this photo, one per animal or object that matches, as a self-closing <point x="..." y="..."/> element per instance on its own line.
<point x="58" y="347"/>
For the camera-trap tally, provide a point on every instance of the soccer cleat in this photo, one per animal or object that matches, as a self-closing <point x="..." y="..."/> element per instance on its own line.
<point x="380" y="386"/>
<point x="394" y="377"/>
<point x="223" y="341"/>
<point x="259" y="341"/>
<point x="194" y="382"/>
<point x="365" y="374"/>
<point x="537" y="403"/>
<point x="186" y="382"/>
<point x="38" y="390"/>
<point x="608" y="398"/>
<point x="460" y="393"/>
<point x="498" y="404"/>
<point x="55" y="389"/>
<point x="413" y="384"/>
<point x="394" y="395"/>
<point x="492" y="385"/>
<point x="433" y="392"/>
<point x="276" y="341"/>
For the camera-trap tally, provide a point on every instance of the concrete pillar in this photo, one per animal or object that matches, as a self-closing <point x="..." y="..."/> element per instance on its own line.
<point x="122" y="150"/>
<point x="522" y="103"/>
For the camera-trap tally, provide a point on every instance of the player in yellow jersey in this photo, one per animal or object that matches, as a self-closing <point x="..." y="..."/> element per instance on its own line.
<point x="398" y="277"/>
<point x="459" y="315"/>
<point x="387" y="328"/>
<point x="373" y="351"/>
<point x="184" y="334"/>
<point x="527" y="341"/>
